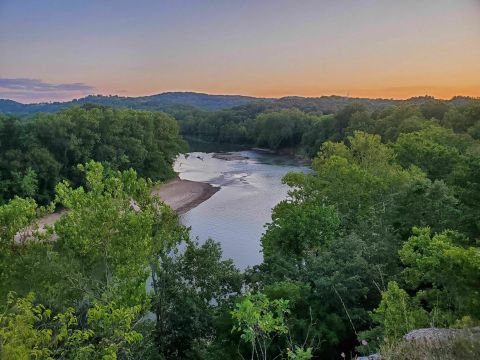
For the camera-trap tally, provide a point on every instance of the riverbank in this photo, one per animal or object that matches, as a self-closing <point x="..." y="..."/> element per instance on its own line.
<point x="226" y="151"/>
<point x="184" y="195"/>
<point x="180" y="195"/>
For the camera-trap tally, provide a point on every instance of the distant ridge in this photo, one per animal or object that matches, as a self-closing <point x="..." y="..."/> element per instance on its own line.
<point x="151" y="102"/>
<point x="168" y="100"/>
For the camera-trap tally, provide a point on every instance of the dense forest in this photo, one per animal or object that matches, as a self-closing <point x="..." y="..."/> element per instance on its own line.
<point x="380" y="238"/>
<point x="303" y="129"/>
<point x="38" y="152"/>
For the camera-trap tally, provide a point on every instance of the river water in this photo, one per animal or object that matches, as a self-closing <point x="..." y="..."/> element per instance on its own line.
<point x="236" y="215"/>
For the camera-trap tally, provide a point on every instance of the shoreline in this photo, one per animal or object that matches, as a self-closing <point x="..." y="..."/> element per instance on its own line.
<point x="181" y="195"/>
<point x="184" y="195"/>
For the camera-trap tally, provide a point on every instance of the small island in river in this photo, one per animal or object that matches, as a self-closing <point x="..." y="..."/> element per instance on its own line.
<point x="229" y="156"/>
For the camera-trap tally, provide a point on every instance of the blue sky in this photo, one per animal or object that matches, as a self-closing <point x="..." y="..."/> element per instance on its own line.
<point x="264" y="48"/>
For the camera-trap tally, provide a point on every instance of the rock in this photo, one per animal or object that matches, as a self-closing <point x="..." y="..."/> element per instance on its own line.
<point x="430" y="334"/>
<point x="370" y="357"/>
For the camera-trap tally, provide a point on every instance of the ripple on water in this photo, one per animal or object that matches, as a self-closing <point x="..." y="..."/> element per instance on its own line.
<point x="235" y="216"/>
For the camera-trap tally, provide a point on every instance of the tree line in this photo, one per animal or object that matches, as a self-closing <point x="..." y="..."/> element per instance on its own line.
<point x="304" y="130"/>
<point x="38" y="152"/>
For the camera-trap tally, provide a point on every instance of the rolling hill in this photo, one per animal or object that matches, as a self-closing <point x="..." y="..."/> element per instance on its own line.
<point x="167" y="100"/>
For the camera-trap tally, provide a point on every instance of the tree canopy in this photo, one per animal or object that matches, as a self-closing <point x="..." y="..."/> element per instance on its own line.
<point x="39" y="152"/>
<point x="380" y="237"/>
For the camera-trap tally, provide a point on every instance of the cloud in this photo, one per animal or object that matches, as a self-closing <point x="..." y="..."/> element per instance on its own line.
<point x="24" y="89"/>
<point x="39" y="85"/>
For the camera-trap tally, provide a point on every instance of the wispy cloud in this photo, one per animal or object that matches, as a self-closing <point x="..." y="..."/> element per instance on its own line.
<point x="39" y="85"/>
<point x="34" y="90"/>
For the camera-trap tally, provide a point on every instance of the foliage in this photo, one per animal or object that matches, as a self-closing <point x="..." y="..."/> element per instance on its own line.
<point x="379" y="238"/>
<point x="33" y="331"/>
<point x="398" y="313"/>
<point x="444" y="273"/>
<point x="15" y="216"/>
<point x="281" y="129"/>
<point x="299" y="230"/>
<point x="38" y="153"/>
<point x="339" y="234"/>
<point x="90" y="267"/>
<point x="106" y="238"/>
<point x="260" y="320"/>
<point x="191" y="290"/>
<point x="299" y="353"/>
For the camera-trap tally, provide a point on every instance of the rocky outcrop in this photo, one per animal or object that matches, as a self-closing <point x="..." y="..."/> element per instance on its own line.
<point x="433" y="334"/>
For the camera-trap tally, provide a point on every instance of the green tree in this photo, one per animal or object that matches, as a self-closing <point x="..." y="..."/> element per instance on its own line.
<point x="105" y="236"/>
<point x="37" y="153"/>
<point x="33" y="331"/>
<point x="282" y="129"/>
<point x="396" y="315"/>
<point x="191" y="290"/>
<point x="299" y="230"/>
<point x="260" y="320"/>
<point x="444" y="273"/>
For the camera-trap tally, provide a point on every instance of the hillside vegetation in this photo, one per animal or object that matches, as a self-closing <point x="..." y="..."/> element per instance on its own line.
<point x="174" y="101"/>
<point x="380" y="238"/>
<point x="39" y="152"/>
<point x="304" y="130"/>
<point x="162" y="101"/>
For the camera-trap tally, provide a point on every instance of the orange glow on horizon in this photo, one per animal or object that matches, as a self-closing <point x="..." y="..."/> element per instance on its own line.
<point x="397" y="93"/>
<point x="371" y="48"/>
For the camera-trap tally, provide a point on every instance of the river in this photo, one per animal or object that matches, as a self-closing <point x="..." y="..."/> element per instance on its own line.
<point x="250" y="186"/>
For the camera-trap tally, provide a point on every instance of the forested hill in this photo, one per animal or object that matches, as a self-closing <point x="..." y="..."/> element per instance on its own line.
<point x="154" y="102"/>
<point x="169" y="100"/>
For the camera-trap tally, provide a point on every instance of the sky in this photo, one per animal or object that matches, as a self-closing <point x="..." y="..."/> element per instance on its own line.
<point x="63" y="49"/>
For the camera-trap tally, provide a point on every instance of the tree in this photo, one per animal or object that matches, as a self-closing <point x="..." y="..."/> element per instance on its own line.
<point x="437" y="151"/>
<point x="191" y="290"/>
<point x="345" y="115"/>
<point x="36" y="154"/>
<point x="282" y="129"/>
<point x="299" y="229"/>
<point x="260" y="321"/>
<point x="107" y="240"/>
<point x="396" y="315"/>
<point x="441" y="274"/>
<point x="340" y="230"/>
<point x="33" y="331"/>
<point x="444" y="274"/>
<point x="17" y="222"/>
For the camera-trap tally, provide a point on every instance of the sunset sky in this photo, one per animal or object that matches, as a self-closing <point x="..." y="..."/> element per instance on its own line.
<point x="64" y="49"/>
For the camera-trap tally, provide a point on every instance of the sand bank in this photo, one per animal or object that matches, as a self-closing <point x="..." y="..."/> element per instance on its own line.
<point x="184" y="195"/>
<point x="180" y="195"/>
